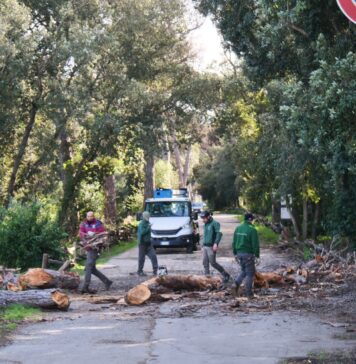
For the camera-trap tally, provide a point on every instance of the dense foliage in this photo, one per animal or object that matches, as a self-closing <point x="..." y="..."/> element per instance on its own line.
<point x="291" y="119"/>
<point x="26" y="234"/>
<point x="91" y="93"/>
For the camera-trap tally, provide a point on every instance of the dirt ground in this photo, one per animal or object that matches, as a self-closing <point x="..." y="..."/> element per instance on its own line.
<point x="282" y="324"/>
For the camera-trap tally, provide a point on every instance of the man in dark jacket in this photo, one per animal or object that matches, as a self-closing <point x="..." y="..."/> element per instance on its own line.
<point x="246" y="248"/>
<point x="212" y="238"/>
<point x="145" y="246"/>
<point x="90" y="228"/>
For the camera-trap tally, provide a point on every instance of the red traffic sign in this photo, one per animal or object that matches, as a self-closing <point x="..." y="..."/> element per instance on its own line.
<point x="348" y="7"/>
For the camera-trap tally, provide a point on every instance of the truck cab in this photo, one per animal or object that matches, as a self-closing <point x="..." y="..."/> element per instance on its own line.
<point x="172" y="220"/>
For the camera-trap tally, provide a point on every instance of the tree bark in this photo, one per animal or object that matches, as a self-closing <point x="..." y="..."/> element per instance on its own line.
<point x="294" y="219"/>
<point x="110" y="200"/>
<point x="67" y="216"/>
<point x="157" y="285"/>
<point x="316" y="220"/>
<point x="305" y="219"/>
<point x="20" y="153"/>
<point x="50" y="298"/>
<point x="178" y="160"/>
<point x="149" y="175"/>
<point x="47" y="278"/>
<point x="186" y="166"/>
<point x="276" y="211"/>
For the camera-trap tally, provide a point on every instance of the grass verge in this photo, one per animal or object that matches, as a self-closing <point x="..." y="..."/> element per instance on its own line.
<point x="12" y="315"/>
<point x="107" y="255"/>
<point x="324" y="358"/>
<point x="266" y="235"/>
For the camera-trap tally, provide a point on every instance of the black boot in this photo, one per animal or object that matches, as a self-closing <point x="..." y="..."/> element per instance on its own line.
<point x="226" y="278"/>
<point x="108" y="285"/>
<point x="85" y="290"/>
<point x="235" y="290"/>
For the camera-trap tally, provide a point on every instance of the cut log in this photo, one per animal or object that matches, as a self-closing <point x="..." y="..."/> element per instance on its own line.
<point x="47" y="278"/>
<point x="188" y="283"/>
<point x="158" y="286"/>
<point x="50" y="298"/>
<point x="264" y="279"/>
<point x="138" y="295"/>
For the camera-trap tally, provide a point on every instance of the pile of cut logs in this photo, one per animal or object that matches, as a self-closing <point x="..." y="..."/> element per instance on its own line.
<point x="38" y="287"/>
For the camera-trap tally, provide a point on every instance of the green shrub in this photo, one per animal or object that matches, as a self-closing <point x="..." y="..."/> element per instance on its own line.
<point x="308" y="253"/>
<point x="266" y="235"/>
<point x="25" y="234"/>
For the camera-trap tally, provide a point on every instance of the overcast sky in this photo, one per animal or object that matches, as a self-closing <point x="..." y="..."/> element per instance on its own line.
<point x="206" y="42"/>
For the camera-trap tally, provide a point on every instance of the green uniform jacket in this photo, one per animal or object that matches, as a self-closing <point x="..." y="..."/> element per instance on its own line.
<point x="144" y="232"/>
<point x="212" y="233"/>
<point x="246" y="240"/>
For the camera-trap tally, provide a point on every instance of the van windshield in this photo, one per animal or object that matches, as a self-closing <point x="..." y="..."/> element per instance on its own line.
<point x="168" y="208"/>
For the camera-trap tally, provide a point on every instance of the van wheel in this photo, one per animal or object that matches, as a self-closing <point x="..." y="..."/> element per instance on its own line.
<point x="190" y="249"/>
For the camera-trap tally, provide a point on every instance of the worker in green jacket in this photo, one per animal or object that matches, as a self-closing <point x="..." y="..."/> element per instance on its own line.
<point x="145" y="246"/>
<point x="246" y="248"/>
<point x="212" y="237"/>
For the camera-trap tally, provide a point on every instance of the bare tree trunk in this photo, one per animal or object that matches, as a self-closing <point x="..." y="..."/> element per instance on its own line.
<point x="167" y="152"/>
<point x="20" y="153"/>
<point x="187" y="165"/>
<point x="178" y="160"/>
<point x="110" y="200"/>
<point x="67" y="216"/>
<point x="276" y="211"/>
<point x="316" y="220"/>
<point x="149" y="175"/>
<point x="294" y="220"/>
<point x="305" y="219"/>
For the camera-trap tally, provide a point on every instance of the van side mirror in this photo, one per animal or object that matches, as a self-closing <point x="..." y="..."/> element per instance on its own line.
<point x="138" y="216"/>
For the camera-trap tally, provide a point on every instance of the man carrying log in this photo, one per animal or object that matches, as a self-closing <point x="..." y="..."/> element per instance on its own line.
<point x="92" y="233"/>
<point x="246" y="248"/>
<point x="145" y="246"/>
<point x="212" y="238"/>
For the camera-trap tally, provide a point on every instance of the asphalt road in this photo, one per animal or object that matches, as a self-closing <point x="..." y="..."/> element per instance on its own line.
<point x="170" y="332"/>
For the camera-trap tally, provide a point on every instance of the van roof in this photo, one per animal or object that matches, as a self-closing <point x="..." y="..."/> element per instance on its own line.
<point x="168" y="199"/>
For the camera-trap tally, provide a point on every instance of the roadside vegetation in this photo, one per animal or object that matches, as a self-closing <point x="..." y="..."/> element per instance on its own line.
<point x="325" y="358"/>
<point x="285" y="130"/>
<point x="15" y="314"/>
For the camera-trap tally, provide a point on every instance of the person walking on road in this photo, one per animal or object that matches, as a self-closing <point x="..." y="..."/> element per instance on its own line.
<point x="246" y="248"/>
<point x="212" y="238"/>
<point x="89" y="229"/>
<point x="145" y="246"/>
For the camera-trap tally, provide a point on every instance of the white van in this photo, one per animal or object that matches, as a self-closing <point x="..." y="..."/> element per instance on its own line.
<point x="173" y="222"/>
